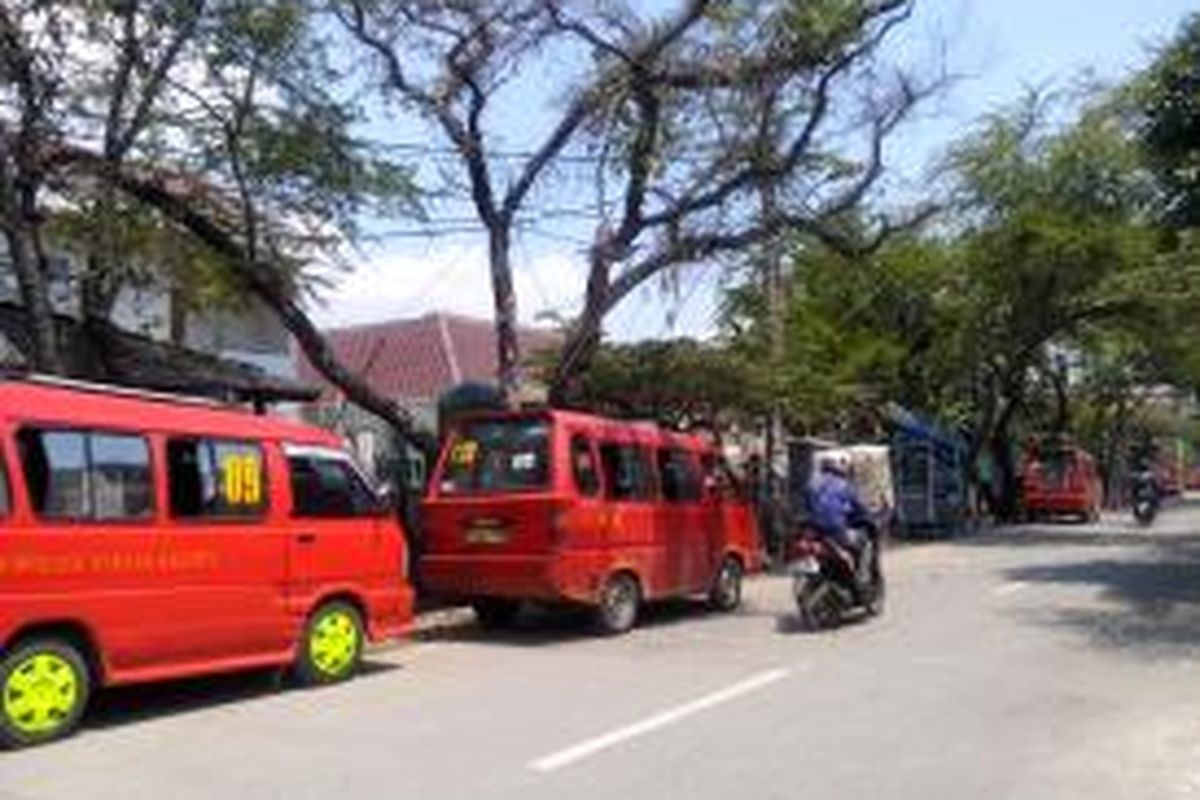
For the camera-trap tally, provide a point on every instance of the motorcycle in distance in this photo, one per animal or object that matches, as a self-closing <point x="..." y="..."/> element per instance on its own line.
<point x="828" y="586"/>
<point x="1145" y="499"/>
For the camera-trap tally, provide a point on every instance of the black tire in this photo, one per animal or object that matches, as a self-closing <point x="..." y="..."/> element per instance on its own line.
<point x="726" y="592"/>
<point x="878" y="601"/>
<point x="331" y="648"/>
<point x="64" y="690"/>
<point x="817" y="606"/>
<point x="620" y="601"/>
<point x="495" y="613"/>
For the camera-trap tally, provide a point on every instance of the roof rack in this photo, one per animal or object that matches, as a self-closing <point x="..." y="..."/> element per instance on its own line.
<point x="59" y="382"/>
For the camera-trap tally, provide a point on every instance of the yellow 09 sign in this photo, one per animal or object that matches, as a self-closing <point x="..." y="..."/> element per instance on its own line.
<point x="243" y="479"/>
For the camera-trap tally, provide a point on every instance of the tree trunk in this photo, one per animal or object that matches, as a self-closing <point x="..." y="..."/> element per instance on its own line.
<point x="1007" y="494"/>
<point x="264" y="280"/>
<point x="18" y="221"/>
<point x="508" y="345"/>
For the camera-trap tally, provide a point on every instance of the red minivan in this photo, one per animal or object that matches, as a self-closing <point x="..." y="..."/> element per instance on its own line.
<point x="563" y="507"/>
<point x="1060" y="479"/>
<point x="145" y="537"/>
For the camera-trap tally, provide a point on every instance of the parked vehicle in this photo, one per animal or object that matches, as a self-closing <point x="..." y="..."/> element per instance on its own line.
<point x="568" y="508"/>
<point x="1060" y="479"/>
<point x="831" y="586"/>
<point x="145" y="537"/>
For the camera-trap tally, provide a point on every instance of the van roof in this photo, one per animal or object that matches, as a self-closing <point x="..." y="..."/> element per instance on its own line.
<point x="646" y="428"/>
<point x="95" y="405"/>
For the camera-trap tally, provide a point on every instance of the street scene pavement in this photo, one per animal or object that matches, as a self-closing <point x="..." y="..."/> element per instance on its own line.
<point x="1055" y="661"/>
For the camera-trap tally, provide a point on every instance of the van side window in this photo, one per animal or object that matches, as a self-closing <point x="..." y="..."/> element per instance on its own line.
<point x="120" y="468"/>
<point x="719" y="480"/>
<point x="583" y="466"/>
<point x="627" y="471"/>
<point x="5" y="496"/>
<point x="324" y="487"/>
<point x="216" y="479"/>
<point x="680" y="479"/>
<point x="86" y="476"/>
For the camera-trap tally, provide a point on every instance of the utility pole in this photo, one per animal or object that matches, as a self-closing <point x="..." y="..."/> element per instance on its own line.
<point x="773" y="289"/>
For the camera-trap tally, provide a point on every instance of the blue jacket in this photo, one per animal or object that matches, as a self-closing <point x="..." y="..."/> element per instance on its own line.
<point x="833" y="504"/>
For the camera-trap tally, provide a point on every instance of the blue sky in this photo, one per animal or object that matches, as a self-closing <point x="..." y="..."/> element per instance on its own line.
<point x="998" y="48"/>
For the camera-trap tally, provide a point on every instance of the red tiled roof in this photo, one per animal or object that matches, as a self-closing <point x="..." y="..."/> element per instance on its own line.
<point x="418" y="359"/>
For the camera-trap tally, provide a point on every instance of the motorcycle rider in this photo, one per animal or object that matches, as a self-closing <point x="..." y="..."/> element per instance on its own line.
<point x="1144" y="485"/>
<point x="835" y="509"/>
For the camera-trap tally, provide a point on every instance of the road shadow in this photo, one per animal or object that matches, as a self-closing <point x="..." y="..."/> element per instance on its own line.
<point x="128" y="705"/>
<point x="544" y="626"/>
<point x="1055" y="536"/>
<point x="1150" y="606"/>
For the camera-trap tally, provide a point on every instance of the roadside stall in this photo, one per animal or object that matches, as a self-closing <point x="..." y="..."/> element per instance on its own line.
<point x="929" y="465"/>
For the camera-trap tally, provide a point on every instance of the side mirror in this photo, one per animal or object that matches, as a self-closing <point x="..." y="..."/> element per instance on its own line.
<point x="388" y="500"/>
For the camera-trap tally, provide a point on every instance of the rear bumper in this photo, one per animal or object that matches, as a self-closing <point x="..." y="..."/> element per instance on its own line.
<point x="573" y="577"/>
<point x="1060" y="504"/>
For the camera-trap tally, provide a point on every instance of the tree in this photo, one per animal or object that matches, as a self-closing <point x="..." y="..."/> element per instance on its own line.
<point x="220" y="120"/>
<point x="685" y="117"/>
<point x="708" y="384"/>
<point x="29" y="41"/>
<point x="1169" y="98"/>
<point x="742" y="99"/>
<point x="1041" y="297"/>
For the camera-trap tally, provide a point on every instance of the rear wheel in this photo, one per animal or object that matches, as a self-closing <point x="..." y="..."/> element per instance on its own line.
<point x="332" y="647"/>
<point x="726" y="592"/>
<point x="495" y="613"/>
<point x="45" y="686"/>
<point x="620" y="600"/>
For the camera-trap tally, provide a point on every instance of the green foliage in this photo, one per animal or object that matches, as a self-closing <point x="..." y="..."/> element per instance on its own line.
<point x="1045" y="302"/>
<point x="1169" y="94"/>
<point x="679" y="383"/>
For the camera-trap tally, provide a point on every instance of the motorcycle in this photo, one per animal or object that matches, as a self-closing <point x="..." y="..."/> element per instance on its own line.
<point x="829" y="585"/>
<point x="1145" y="503"/>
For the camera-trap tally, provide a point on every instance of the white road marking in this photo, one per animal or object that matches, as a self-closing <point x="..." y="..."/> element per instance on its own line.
<point x="592" y="746"/>
<point x="1012" y="587"/>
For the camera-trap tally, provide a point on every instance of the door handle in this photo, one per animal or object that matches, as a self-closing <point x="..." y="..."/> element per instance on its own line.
<point x="306" y="538"/>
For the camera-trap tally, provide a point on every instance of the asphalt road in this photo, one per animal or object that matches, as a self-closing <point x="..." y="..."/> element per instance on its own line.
<point x="1047" y="662"/>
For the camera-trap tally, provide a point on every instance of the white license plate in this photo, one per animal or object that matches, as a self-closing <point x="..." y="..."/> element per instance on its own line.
<point x="806" y="566"/>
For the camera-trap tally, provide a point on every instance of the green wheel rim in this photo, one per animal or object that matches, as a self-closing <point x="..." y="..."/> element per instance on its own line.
<point x="41" y="694"/>
<point x="333" y="643"/>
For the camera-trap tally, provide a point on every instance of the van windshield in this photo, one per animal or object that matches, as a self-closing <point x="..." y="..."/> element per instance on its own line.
<point x="510" y="455"/>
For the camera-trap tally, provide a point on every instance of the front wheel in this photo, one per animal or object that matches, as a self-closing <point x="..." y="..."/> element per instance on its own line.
<point x="45" y="685"/>
<point x="726" y="592"/>
<point x="332" y="647"/>
<point x="620" y="600"/>
<point x="878" y="590"/>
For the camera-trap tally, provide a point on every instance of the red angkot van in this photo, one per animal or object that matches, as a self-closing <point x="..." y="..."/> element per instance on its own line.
<point x="1060" y="479"/>
<point x="145" y="537"/>
<point x="562" y="507"/>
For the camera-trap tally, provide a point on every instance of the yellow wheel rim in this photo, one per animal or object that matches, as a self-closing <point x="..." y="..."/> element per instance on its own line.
<point x="41" y="693"/>
<point x="333" y="644"/>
